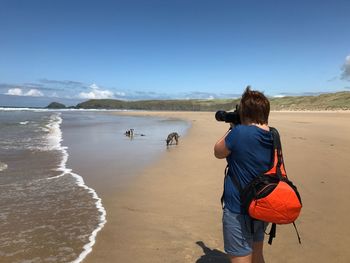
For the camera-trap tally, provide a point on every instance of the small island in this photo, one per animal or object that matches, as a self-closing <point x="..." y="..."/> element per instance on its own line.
<point x="56" y="105"/>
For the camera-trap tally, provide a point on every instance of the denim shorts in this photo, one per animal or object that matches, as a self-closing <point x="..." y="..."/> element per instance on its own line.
<point x="238" y="237"/>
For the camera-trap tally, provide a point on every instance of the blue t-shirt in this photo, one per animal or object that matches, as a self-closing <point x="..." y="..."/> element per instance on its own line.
<point x="251" y="154"/>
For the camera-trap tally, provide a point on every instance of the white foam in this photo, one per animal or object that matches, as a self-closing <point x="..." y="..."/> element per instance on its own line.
<point x="54" y="136"/>
<point x="22" y="109"/>
<point x="92" y="238"/>
<point x="13" y="109"/>
<point x="3" y="166"/>
<point x="55" y="140"/>
<point x="24" y="122"/>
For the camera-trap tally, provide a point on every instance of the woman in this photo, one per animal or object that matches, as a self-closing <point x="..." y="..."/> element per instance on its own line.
<point x="248" y="151"/>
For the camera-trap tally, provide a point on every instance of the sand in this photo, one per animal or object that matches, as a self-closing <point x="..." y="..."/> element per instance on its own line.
<point x="171" y="212"/>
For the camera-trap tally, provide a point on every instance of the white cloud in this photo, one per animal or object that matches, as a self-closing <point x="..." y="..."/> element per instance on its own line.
<point x="54" y="95"/>
<point x="96" y="93"/>
<point x="19" y="92"/>
<point x="120" y="94"/>
<point x="14" y="92"/>
<point x="346" y="69"/>
<point x="34" y="93"/>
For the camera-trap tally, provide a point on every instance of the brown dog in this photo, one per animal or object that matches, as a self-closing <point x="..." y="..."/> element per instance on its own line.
<point x="174" y="136"/>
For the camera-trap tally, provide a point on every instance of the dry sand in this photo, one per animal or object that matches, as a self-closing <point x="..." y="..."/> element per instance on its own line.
<point x="172" y="213"/>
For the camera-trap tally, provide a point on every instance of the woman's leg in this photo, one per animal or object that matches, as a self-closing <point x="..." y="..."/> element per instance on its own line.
<point x="258" y="256"/>
<point x="238" y="239"/>
<point x="244" y="259"/>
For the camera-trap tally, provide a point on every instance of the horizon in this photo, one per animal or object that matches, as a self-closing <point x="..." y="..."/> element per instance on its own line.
<point x="71" y="52"/>
<point x="40" y="102"/>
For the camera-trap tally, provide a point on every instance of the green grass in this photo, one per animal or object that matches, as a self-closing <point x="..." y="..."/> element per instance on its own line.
<point x="330" y="101"/>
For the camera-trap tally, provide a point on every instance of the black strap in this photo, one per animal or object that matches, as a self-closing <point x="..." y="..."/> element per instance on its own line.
<point x="223" y="192"/>
<point x="296" y="230"/>
<point x="277" y="146"/>
<point x="272" y="233"/>
<point x="234" y="180"/>
<point x="273" y="230"/>
<point x="276" y="138"/>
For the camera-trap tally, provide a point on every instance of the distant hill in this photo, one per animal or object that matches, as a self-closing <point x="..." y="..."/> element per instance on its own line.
<point x="330" y="101"/>
<point x="56" y="105"/>
<point x="171" y="105"/>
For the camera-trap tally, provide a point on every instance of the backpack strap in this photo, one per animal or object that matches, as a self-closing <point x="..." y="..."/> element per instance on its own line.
<point x="296" y="230"/>
<point x="279" y="170"/>
<point x="235" y="182"/>
<point x="277" y="166"/>
<point x="272" y="233"/>
<point x="223" y="192"/>
<point x="277" y="146"/>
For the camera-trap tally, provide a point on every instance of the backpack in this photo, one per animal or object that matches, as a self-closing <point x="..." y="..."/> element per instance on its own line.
<point x="271" y="196"/>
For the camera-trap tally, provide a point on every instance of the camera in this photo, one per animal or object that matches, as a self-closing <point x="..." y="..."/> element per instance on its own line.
<point x="230" y="117"/>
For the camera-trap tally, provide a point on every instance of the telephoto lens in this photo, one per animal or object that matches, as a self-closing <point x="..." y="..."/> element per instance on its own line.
<point x="230" y="117"/>
<point x="220" y="115"/>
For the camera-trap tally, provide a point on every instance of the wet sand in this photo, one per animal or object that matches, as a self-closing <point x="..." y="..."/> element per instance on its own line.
<point x="171" y="212"/>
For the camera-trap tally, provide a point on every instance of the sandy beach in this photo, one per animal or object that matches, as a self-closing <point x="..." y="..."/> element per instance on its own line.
<point x="171" y="211"/>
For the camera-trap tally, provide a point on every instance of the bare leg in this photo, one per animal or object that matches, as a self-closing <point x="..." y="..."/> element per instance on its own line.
<point x="244" y="259"/>
<point x="258" y="256"/>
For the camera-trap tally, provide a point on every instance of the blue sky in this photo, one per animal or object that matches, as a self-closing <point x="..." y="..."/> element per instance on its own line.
<point x="172" y="49"/>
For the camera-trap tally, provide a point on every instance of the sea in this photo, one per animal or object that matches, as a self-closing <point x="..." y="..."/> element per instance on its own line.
<point x="48" y="210"/>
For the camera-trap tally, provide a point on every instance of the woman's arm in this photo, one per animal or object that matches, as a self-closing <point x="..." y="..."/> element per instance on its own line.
<point x="220" y="149"/>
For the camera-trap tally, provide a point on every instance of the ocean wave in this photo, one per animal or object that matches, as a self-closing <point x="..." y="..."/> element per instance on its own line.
<point x="23" y="109"/>
<point x="55" y="139"/>
<point x="92" y="238"/>
<point x="54" y="136"/>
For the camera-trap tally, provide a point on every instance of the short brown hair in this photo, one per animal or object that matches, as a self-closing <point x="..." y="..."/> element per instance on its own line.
<point x="254" y="107"/>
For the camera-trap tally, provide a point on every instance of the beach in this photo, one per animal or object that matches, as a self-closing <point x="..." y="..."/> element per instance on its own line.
<point x="171" y="211"/>
<point x="49" y="159"/>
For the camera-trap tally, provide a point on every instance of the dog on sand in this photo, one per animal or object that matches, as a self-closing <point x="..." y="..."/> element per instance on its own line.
<point x="174" y="136"/>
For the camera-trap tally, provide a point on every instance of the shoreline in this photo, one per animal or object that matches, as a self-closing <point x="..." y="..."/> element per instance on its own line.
<point x="137" y="218"/>
<point x="171" y="211"/>
<point x="65" y="171"/>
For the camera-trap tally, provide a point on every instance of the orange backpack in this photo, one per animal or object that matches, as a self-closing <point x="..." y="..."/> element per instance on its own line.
<point x="271" y="197"/>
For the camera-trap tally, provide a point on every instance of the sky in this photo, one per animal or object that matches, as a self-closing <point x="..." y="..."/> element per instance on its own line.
<point x="171" y="49"/>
